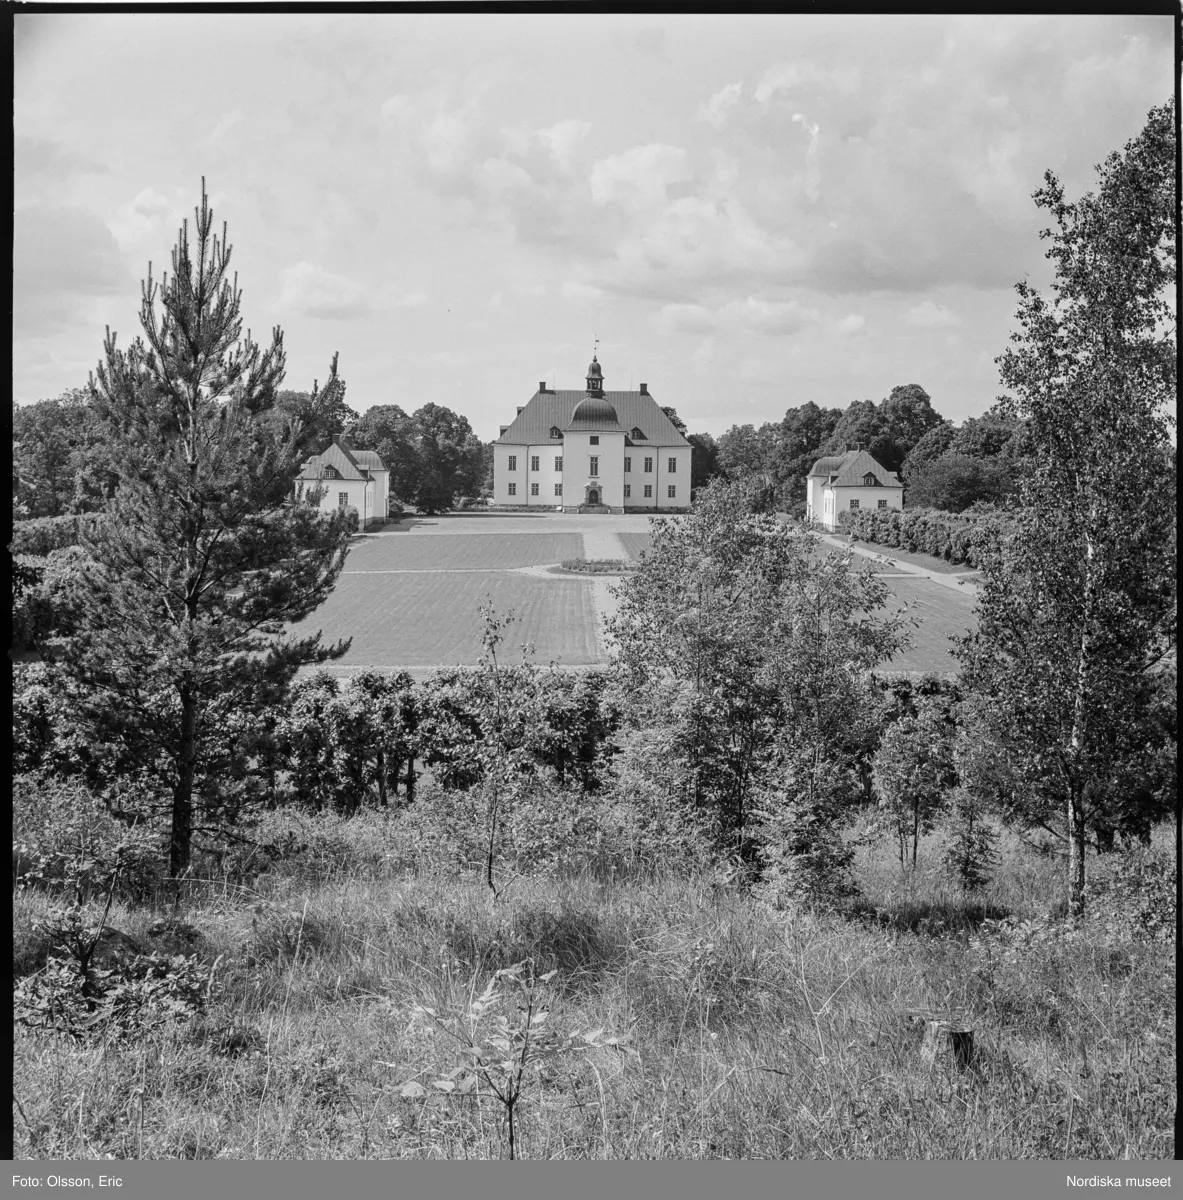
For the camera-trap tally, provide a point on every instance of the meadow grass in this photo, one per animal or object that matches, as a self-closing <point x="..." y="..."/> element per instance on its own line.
<point x="760" y="1033"/>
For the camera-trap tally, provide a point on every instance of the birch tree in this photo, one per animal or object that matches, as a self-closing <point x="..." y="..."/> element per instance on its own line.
<point x="1077" y="608"/>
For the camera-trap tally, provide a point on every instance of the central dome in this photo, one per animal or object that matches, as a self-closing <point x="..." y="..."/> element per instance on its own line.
<point x="594" y="412"/>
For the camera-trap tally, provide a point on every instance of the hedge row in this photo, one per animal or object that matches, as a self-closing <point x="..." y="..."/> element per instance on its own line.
<point x="951" y="536"/>
<point x="40" y="535"/>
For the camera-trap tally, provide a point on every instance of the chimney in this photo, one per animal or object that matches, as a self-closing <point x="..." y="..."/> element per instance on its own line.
<point x="644" y="389"/>
<point x="542" y="385"/>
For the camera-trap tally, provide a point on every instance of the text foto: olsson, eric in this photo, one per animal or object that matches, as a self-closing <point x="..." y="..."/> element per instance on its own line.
<point x="66" y="1181"/>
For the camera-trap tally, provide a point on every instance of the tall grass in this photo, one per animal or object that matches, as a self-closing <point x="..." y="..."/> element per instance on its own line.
<point x="761" y="1034"/>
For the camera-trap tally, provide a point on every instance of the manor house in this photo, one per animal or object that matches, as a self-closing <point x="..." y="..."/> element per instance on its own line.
<point x="592" y="451"/>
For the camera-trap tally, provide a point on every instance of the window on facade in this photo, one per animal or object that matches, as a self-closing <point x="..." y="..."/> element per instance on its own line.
<point x="513" y="489"/>
<point x="533" y="489"/>
<point x="533" y="462"/>
<point x="648" y="491"/>
<point x="672" y="491"/>
<point x="648" y="466"/>
<point x="882" y="503"/>
<point x="342" y="499"/>
<point x="594" y="439"/>
<point x="555" y="432"/>
<point x="558" y="462"/>
<point x="595" y="465"/>
<point x="673" y="466"/>
<point x="628" y="490"/>
<point x="854" y="504"/>
<point x="513" y="462"/>
<point x="558" y="489"/>
<point x="628" y="464"/>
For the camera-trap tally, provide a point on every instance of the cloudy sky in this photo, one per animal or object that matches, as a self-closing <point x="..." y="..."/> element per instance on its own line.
<point x="748" y="213"/>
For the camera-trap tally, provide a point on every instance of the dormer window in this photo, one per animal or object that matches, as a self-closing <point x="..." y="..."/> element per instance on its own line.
<point x="869" y="480"/>
<point x="637" y="435"/>
<point x="332" y="473"/>
<point x="555" y="432"/>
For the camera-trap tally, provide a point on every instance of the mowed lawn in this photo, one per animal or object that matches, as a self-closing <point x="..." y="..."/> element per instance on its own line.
<point x="430" y="618"/>
<point x="942" y="612"/>
<point x="635" y="543"/>
<point x="408" y="551"/>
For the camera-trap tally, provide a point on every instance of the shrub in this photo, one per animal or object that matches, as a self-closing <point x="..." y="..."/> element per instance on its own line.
<point x="65" y="839"/>
<point x="42" y="535"/>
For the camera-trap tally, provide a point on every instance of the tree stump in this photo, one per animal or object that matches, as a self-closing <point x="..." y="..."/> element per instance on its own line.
<point x="948" y="1040"/>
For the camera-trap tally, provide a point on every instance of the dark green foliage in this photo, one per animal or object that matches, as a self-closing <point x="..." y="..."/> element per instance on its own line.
<point x="1077" y="603"/>
<point x="42" y="535"/>
<point x="58" y="466"/>
<point x="955" y="482"/>
<point x="748" y="654"/>
<point x="433" y="456"/>
<point x="954" y="537"/>
<point x="201" y="559"/>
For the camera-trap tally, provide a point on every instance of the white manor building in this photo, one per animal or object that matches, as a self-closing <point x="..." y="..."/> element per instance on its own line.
<point x="592" y="451"/>
<point x="846" y="481"/>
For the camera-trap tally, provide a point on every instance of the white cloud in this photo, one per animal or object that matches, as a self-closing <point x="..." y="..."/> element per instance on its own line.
<point x="686" y="318"/>
<point x="639" y="177"/>
<point x="574" y="289"/>
<point x="850" y="326"/>
<point x="228" y="122"/>
<point x="750" y="315"/>
<point x="145" y="218"/>
<point x="715" y="110"/>
<point x="763" y="316"/>
<point x="562" y="141"/>
<point x="702" y="357"/>
<point x="317" y="292"/>
<point x="788" y="77"/>
<point x="928" y="315"/>
<point x="812" y="170"/>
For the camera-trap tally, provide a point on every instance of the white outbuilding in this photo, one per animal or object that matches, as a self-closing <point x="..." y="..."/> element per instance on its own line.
<point x="347" y="478"/>
<point x="849" y="481"/>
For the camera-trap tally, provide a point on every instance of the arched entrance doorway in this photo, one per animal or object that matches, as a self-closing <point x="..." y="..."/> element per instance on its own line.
<point x="593" y="496"/>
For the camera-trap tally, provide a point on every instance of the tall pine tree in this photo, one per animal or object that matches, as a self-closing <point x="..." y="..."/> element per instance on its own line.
<point x="1077" y="608"/>
<point x="204" y="557"/>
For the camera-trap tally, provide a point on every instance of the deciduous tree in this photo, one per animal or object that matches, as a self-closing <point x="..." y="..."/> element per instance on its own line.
<point x="1077" y="608"/>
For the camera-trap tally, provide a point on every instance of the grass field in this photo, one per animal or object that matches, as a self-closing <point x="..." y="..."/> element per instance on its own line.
<point x="430" y="618"/>
<point x="409" y="598"/>
<point x="635" y="543"/>
<point x="941" y="611"/>
<point x="406" y="551"/>
<point x="760" y="1033"/>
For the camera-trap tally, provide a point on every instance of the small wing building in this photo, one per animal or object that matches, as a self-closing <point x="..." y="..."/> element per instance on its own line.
<point x="849" y="481"/>
<point x="347" y="478"/>
<point x="592" y="451"/>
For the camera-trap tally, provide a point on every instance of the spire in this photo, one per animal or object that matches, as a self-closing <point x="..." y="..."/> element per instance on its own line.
<point x="595" y="378"/>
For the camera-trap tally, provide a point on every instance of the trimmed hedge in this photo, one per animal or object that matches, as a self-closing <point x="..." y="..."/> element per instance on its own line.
<point x="951" y="536"/>
<point x="40" y="535"/>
